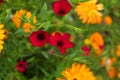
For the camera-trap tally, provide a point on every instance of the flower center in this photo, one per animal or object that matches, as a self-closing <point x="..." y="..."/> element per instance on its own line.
<point x="61" y="11"/>
<point x="40" y="37"/>
<point x="21" y="65"/>
<point x="74" y="79"/>
<point x="60" y="43"/>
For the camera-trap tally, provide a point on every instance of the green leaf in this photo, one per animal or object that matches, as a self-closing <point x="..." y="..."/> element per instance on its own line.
<point x="46" y="25"/>
<point x="45" y="55"/>
<point x="20" y="30"/>
<point x="43" y="12"/>
<point x="76" y="1"/>
<point x="31" y="59"/>
<point x="76" y="29"/>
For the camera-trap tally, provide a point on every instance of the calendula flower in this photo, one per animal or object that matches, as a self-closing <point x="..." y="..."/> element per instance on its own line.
<point x="108" y="62"/>
<point x="118" y="73"/>
<point x="111" y="72"/>
<point x="60" y="79"/>
<point x="21" y="66"/>
<point x="77" y="72"/>
<point x="17" y="20"/>
<point x="88" y="11"/>
<point x="39" y="38"/>
<point x="108" y="20"/>
<point x="118" y="51"/>
<point x="97" y="42"/>
<point x="61" y="41"/>
<point x="2" y="36"/>
<point x="61" y="7"/>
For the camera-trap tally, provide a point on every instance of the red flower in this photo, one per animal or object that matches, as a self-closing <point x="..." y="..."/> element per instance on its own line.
<point x="39" y="38"/>
<point x="1" y="1"/>
<point x="61" y="41"/>
<point x="86" y="49"/>
<point x="61" y="7"/>
<point x="21" y="66"/>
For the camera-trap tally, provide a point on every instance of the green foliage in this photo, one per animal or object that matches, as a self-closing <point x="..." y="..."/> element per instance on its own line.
<point x="47" y="63"/>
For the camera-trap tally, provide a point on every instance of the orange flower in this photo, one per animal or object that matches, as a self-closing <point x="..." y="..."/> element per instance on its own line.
<point x="97" y="42"/>
<point x="108" y="20"/>
<point x="60" y="79"/>
<point x="88" y="11"/>
<point x="107" y="62"/>
<point x="78" y="72"/>
<point x="118" y="73"/>
<point x="118" y="51"/>
<point x="111" y="72"/>
<point x="17" y="20"/>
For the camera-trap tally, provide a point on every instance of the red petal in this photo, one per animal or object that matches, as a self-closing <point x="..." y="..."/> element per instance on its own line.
<point x="68" y="45"/>
<point x="55" y="38"/>
<point x="66" y="36"/>
<point x="61" y="7"/>
<point x="1" y="1"/>
<point x="35" y="42"/>
<point x="63" y="50"/>
<point x="86" y="49"/>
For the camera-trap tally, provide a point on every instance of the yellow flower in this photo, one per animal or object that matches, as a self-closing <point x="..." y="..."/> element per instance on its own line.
<point x="87" y="41"/>
<point x="77" y="72"/>
<point x="17" y="21"/>
<point x="88" y="11"/>
<point x="60" y="79"/>
<point x="2" y="36"/>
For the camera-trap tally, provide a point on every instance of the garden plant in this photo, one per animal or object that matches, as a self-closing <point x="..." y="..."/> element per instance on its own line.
<point x="59" y="40"/>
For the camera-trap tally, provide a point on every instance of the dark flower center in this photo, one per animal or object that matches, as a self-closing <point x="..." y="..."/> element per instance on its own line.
<point x="40" y="37"/>
<point x="21" y="65"/>
<point x="60" y="43"/>
<point x="61" y="11"/>
<point x="74" y="79"/>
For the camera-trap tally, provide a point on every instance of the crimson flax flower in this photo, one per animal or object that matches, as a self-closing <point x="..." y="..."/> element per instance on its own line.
<point x="61" y="7"/>
<point x="61" y="41"/>
<point x="1" y="1"/>
<point x="39" y="38"/>
<point x="21" y="66"/>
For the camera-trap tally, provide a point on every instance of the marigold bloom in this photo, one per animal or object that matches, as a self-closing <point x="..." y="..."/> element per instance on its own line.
<point x="108" y="62"/>
<point x="118" y="73"/>
<point x="2" y="36"/>
<point x="97" y="42"/>
<point x="60" y="79"/>
<point x="118" y="51"/>
<point x="61" y="7"/>
<point x="61" y="41"/>
<point x="39" y="38"/>
<point x="108" y="20"/>
<point x="78" y="72"/>
<point x="111" y="72"/>
<point x="21" y="66"/>
<point x="88" y="11"/>
<point x="17" y="21"/>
